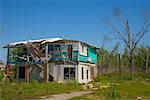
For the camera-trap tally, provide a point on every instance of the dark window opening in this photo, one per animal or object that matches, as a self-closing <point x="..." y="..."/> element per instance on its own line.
<point x="30" y="58"/>
<point x="82" y="48"/>
<point x="50" y="48"/>
<point x="69" y="73"/>
<point x="21" y="72"/>
<point x="51" y="78"/>
<point x="87" y="72"/>
<point x="82" y="73"/>
<point x="87" y="52"/>
<point x="57" y="47"/>
<point x="70" y="52"/>
<point x="25" y="49"/>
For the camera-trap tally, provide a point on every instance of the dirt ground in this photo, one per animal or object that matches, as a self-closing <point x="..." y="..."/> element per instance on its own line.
<point x="65" y="96"/>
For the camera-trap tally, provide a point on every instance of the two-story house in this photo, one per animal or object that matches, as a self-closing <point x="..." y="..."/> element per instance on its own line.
<point x="65" y="59"/>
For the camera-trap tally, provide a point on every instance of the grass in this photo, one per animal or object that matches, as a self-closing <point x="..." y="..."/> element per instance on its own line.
<point x="17" y="91"/>
<point x="122" y="88"/>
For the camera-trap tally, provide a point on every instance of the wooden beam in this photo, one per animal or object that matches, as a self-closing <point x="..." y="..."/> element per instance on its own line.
<point x="27" y="73"/>
<point x="46" y="72"/>
<point x="8" y="56"/>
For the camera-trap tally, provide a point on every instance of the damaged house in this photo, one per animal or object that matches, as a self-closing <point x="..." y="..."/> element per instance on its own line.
<point x="53" y="59"/>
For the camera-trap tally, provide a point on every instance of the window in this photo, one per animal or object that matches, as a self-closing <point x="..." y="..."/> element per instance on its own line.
<point x="88" y="52"/>
<point x="82" y="73"/>
<point x="87" y="74"/>
<point x="82" y="48"/>
<point x="25" y="49"/>
<point x="69" y="73"/>
<point x="70" y="52"/>
<point x="50" y="47"/>
<point x="57" y="47"/>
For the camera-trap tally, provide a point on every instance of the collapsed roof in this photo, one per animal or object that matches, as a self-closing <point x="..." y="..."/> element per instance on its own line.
<point x="42" y="41"/>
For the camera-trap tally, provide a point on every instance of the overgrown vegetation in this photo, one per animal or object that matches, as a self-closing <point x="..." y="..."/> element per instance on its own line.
<point x="121" y="88"/>
<point x="113" y="62"/>
<point x="18" y="91"/>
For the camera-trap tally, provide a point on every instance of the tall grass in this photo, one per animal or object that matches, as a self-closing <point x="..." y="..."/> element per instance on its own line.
<point x="114" y="77"/>
<point x="15" y="91"/>
<point x="121" y="88"/>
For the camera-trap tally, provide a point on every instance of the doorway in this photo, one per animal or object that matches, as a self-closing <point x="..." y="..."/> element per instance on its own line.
<point x="21" y="72"/>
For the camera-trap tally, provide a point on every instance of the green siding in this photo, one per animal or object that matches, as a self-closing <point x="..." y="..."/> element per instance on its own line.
<point x="82" y="58"/>
<point x="92" y="55"/>
<point x="75" y="55"/>
<point x="63" y="56"/>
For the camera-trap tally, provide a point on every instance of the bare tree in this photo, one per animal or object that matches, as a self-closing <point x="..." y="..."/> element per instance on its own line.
<point x="130" y="39"/>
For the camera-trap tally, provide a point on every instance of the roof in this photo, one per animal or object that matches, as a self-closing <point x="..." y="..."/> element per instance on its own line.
<point x="2" y="66"/>
<point x="42" y="41"/>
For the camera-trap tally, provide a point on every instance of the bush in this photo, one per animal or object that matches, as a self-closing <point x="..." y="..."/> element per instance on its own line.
<point x="1" y="76"/>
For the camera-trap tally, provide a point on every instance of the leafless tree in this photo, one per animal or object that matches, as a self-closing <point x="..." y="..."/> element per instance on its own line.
<point x="130" y="39"/>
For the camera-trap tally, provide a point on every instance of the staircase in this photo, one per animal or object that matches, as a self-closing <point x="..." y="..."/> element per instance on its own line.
<point x="36" y="52"/>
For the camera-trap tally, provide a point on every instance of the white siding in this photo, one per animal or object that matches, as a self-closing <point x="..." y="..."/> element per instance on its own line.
<point x="85" y="68"/>
<point x="58" y="71"/>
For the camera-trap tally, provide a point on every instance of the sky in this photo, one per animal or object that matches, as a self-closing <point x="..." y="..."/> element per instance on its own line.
<point x="83" y="20"/>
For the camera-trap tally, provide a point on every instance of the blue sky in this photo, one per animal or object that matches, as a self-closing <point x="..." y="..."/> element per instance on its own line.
<point x="72" y="19"/>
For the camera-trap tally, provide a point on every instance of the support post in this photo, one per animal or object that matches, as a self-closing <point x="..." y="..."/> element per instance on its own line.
<point x="27" y="73"/>
<point x="8" y="56"/>
<point x="46" y="73"/>
<point x="17" y="74"/>
<point x="46" y="65"/>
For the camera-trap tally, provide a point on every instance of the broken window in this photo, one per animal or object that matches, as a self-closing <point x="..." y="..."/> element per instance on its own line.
<point x="69" y="73"/>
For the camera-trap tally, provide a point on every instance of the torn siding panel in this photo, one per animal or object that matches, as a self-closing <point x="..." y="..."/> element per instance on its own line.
<point x="35" y="73"/>
<point x="83" y="49"/>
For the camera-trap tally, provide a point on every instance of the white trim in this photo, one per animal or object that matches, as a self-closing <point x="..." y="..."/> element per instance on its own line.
<point x="88" y="64"/>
